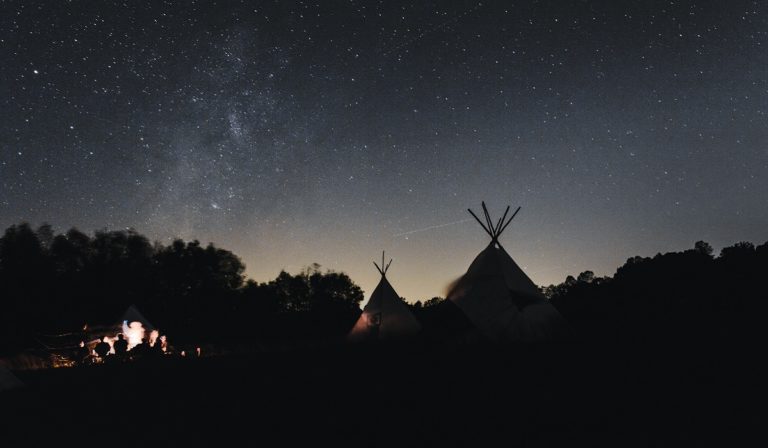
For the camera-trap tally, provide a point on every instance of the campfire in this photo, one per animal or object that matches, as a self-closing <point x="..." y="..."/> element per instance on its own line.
<point x="134" y="333"/>
<point x="75" y="348"/>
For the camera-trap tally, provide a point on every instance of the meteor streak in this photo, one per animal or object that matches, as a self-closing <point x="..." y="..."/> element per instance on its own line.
<point x="431" y="228"/>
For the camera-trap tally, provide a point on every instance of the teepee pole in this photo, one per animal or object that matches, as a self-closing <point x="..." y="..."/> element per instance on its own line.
<point x="488" y="219"/>
<point x="501" y="221"/>
<point x="510" y="220"/>
<point x="480" y="222"/>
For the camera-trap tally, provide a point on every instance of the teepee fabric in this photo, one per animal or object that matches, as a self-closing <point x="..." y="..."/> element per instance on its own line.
<point x="500" y="300"/>
<point x="385" y="317"/>
<point x="8" y="380"/>
<point x="132" y="314"/>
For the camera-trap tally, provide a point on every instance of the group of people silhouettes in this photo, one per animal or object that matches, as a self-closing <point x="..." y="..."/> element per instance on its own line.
<point x="118" y="350"/>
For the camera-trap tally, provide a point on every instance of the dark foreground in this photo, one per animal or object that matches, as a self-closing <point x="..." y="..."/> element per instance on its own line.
<point x="540" y="395"/>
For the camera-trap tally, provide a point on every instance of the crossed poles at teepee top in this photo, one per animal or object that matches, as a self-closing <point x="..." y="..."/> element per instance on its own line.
<point x="494" y="230"/>
<point x="383" y="269"/>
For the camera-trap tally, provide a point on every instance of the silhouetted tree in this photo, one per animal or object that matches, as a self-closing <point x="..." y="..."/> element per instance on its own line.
<point x="678" y="295"/>
<point x="45" y="236"/>
<point x="24" y="284"/>
<point x="586" y="277"/>
<point x="703" y="247"/>
<point x="196" y="285"/>
<point x="312" y="303"/>
<point x="419" y="307"/>
<point x="433" y="301"/>
<point x="737" y="253"/>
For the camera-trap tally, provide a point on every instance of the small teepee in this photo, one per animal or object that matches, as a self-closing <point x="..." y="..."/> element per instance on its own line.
<point x="132" y="314"/>
<point x="8" y="380"/>
<point x="385" y="317"/>
<point x="498" y="298"/>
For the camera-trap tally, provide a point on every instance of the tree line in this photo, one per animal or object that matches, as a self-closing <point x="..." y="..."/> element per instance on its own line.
<point x="685" y="296"/>
<point x="52" y="283"/>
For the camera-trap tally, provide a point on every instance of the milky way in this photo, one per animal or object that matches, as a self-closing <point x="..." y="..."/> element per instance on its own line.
<point x="293" y="133"/>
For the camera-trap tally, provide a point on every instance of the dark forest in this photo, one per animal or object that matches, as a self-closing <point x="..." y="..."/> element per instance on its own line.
<point x="53" y="283"/>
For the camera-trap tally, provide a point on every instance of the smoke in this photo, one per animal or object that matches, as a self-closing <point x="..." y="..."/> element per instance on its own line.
<point x="456" y="288"/>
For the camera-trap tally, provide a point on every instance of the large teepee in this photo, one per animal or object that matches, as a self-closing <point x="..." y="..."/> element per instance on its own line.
<point x="385" y="317"/>
<point x="498" y="298"/>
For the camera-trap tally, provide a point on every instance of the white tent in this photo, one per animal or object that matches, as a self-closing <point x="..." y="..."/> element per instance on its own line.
<point x="8" y="380"/>
<point x="132" y="314"/>
<point x="385" y="317"/>
<point x="499" y="299"/>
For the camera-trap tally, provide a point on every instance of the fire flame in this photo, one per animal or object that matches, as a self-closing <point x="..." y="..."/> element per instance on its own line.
<point x="134" y="333"/>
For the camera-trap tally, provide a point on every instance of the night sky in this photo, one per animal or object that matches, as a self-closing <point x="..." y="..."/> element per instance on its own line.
<point x="293" y="133"/>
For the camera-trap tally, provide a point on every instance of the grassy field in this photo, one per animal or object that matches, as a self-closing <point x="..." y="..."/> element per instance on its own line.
<point x="528" y="395"/>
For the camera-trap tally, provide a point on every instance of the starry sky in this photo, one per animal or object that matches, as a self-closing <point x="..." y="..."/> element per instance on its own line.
<point x="293" y="132"/>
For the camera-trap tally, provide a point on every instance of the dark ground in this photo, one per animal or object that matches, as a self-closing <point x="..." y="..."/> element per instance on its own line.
<point x="532" y="395"/>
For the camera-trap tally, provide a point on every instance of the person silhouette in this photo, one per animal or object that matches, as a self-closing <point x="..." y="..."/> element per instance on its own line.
<point x="141" y="350"/>
<point x="156" y="350"/>
<point x="121" y="346"/>
<point x="102" y="348"/>
<point x="83" y="353"/>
